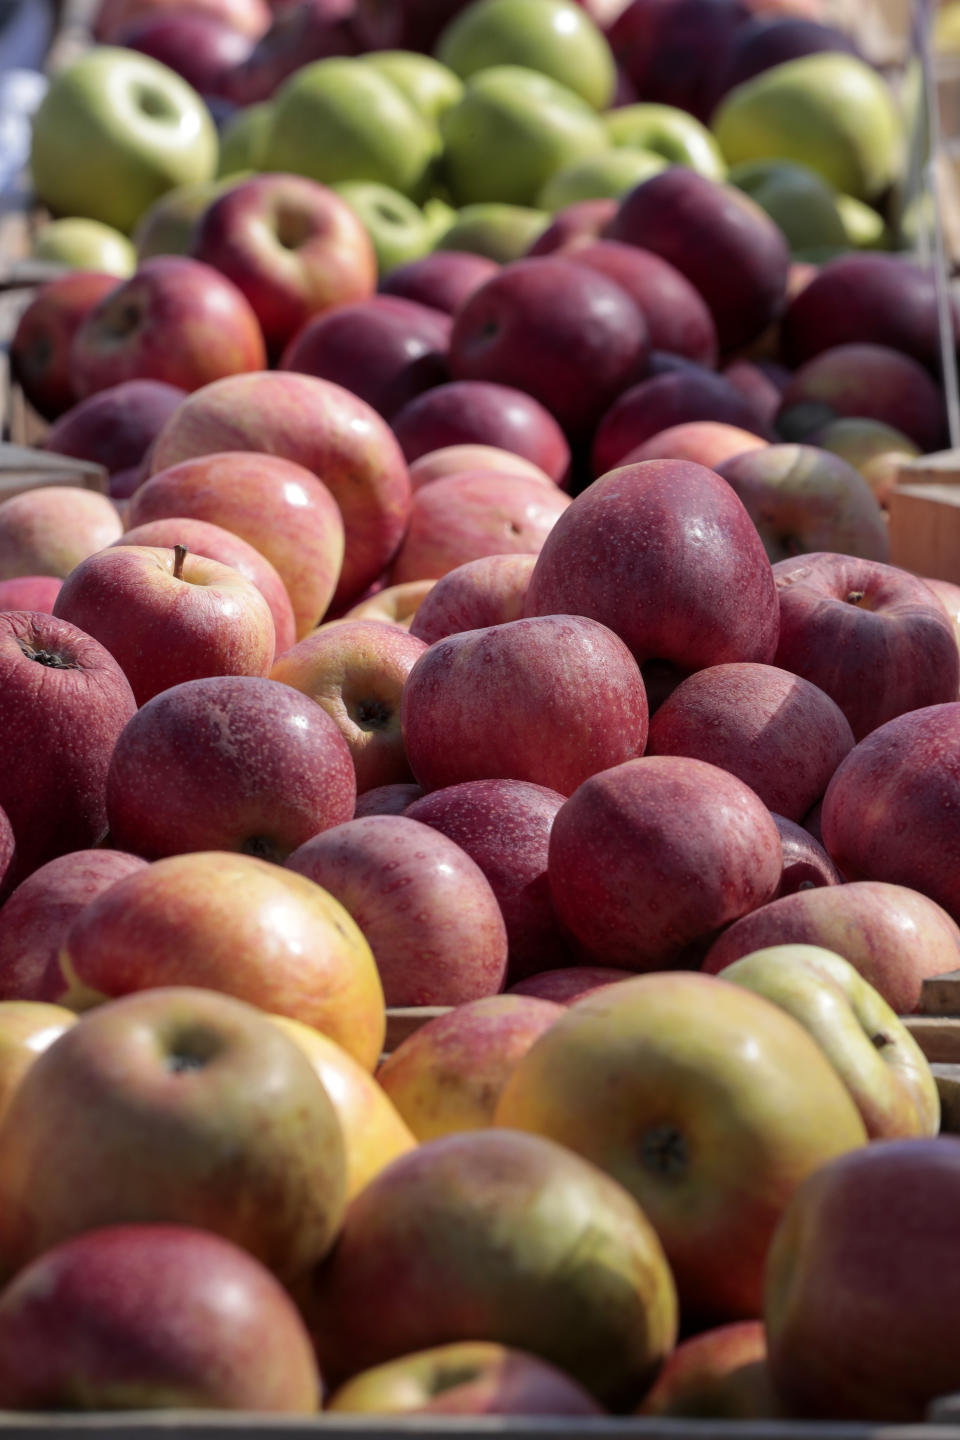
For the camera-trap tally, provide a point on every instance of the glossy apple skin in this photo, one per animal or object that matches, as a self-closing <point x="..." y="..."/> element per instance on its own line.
<point x="872" y="1223"/>
<point x="776" y="732"/>
<point x="116" y="427"/>
<point x="870" y="381"/>
<point x="721" y="1374"/>
<point x="457" y="459"/>
<point x="705" y="442"/>
<point x="63" y="702"/>
<point x="49" y="530"/>
<point x="425" y="907"/>
<point x="469" y="1208"/>
<point x="216" y="543"/>
<point x="228" y="763"/>
<point x="476" y="412"/>
<point x="320" y="426"/>
<point x="663" y="401"/>
<point x="281" y="509"/>
<point x="293" y="248"/>
<point x="40" y="349"/>
<point x="27" y="1028"/>
<point x="30" y="592"/>
<point x="385" y="349"/>
<point x="649" y="859"/>
<point x="475" y="514"/>
<point x="668" y="1082"/>
<point x="443" y="279"/>
<point x="871" y="635"/>
<point x="356" y="670"/>
<point x="504" y="825"/>
<point x="37" y="915"/>
<point x="805" y="862"/>
<point x="887" y="812"/>
<point x="487" y="591"/>
<point x="154" y="1316"/>
<point x="163" y="1107"/>
<point x="467" y="704"/>
<point x="671" y="51"/>
<point x="635" y="517"/>
<point x="894" y="936"/>
<point x="200" y="48"/>
<point x="211" y="621"/>
<point x="174" y="320"/>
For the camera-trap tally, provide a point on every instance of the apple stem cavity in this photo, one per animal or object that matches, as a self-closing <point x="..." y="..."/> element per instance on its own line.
<point x="180" y="553"/>
<point x="664" y="1150"/>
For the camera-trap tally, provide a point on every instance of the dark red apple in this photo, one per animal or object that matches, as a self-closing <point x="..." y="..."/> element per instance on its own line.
<point x="40" y="349"/>
<point x="475" y="412"/>
<point x="444" y="279"/>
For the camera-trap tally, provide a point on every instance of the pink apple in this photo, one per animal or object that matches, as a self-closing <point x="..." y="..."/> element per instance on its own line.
<point x="706" y="442"/>
<point x="291" y="246"/>
<point x="386" y="800"/>
<point x="805" y="862"/>
<point x="200" y="47"/>
<point x="166" y="617"/>
<point x="116" y="427"/>
<point x="478" y="705"/>
<point x="30" y="592"/>
<point x="567" y="986"/>
<point x="487" y="591"/>
<point x="426" y="909"/>
<point x="444" y="279"/>
<point x="49" y="530"/>
<point x="456" y="459"/>
<point x="40" y="349"/>
<point x="475" y="412"/>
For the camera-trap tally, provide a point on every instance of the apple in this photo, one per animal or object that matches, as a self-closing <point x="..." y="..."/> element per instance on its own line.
<point x="251" y="17"/>
<point x="442" y="280"/>
<point x="320" y="426"/>
<point x="574" y="225"/>
<point x="40" y="911"/>
<point x="176" y="320"/>
<point x="612" y="173"/>
<point x="148" y="129"/>
<point x="877" y="451"/>
<point x="385" y="349"/>
<point x="668" y="131"/>
<point x="568" y="985"/>
<point x="894" y="936"/>
<point x="495" y="230"/>
<point x="517" y="1241"/>
<point x="804" y="499"/>
<point x="720" y="1374"/>
<point x="671" y="49"/>
<point x="294" y="248"/>
<point x="355" y="670"/>
<point x="488" y="591"/>
<point x="162" y="1107"/>
<point x="457" y="459"/>
<point x="386" y="800"/>
<point x="85" y="245"/>
<point x="504" y="825"/>
<point x="49" y="530"/>
<point x="301" y="31"/>
<point x="40" y="348"/>
<point x="675" y="396"/>
<point x="477" y="704"/>
<point x="394" y="604"/>
<point x="470" y="1378"/>
<point x="27" y="1028"/>
<point x="199" y="47"/>
<point x="476" y="412"/>
<point x="705" y="442"/>
<point x="805" y="862"/>
<point x="863" y="1243"/>
<point x="708" y="1103"/>
<point x="30" y="592"/>
<point x="869" y="381"/>
<point x="153" y="1316"/>
<point x="117" y="426"/>
<point x="637" y="516"/>
<point x="424" y="906"/>
<point x="873" y="636"/>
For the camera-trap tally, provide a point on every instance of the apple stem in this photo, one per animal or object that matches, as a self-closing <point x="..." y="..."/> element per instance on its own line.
<point x="180" y="553"/>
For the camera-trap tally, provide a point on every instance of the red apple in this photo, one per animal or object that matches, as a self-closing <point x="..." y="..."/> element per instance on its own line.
<point x="805" y="862"/>
<point x="116" y="427"/>
<point x="721" y="1374"/>
<point x="48" y="531"/>
<point x="444" y="279"/>
<point x="457" y="459"/>
<point x="475" y="412"/>
<point x="200" y="47"/>
<point x="567" y="986"/>
<point x="426" y="909"/>
<point x="30" y="592"/>
<point x="873" y="382"/>
<point x="488" y="591"/>
<point x="40" y="348"/>
<point x="301" y="31"/>
<point x="664" y="401"/>
<point x="705" y="442"/>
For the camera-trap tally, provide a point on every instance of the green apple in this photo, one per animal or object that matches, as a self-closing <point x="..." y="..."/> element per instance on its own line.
<point x="829" y="111"/>
<point x="598" y="177"/>
<point x="430" y="87"/>
<point x="669" y="132"/>
<point x="556" y="37"/>
<point x="866" y="228"/>
<point x="799" y="200"/>
<point x="341" y="119"/>
<point x="85" y="245"/>
<point x="243" y="138"/>
<point x="512" y="130"/>
<point x="501" y="232"/>
<point x="167" y="228"/>
<point x="116" y="130"/>
<point x="399" y="229"/>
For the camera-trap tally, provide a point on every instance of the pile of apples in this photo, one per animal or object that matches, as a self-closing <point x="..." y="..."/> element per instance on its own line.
<point x="504" y="626"/>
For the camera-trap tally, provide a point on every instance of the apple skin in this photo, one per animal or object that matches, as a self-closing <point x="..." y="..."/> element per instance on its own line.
<point x="163" y="1106"/>
<point x="487" y="591"/>
<point x="40" y="348"/>
<point x="209" y="621"/>
<point x="884" y="811"/>
<point x="27" y="1028"/>
<point x="228" y="763"/>
<point x="468" y="704"/>
<point x="472" y="515"/>
<point x="874" y="637"/>
<point x="776" y="732"/>
<point x="650" y="858"/>
<point x="874" y="1223"/>
<point x="448" y="1076"/>
<point x="386" y="800"/>
<point x="708" y="1103"/>
<point x="672" y="50"/>
<point x="425" y="907"/>
<point x="48" y="531"/>
<point x="872" y="382"/>
<point x="477" y="412"/>
<point x="301" y="31"/>
<point x="504" y="825"/>
<point x="490" y="1380"/>
<point x="637" y="515"/>
<point x="565" y="333"/>
<point x="894" y="936"/>
<point x="385" y="349"/>
<point x="30" y="592"/>
<point x="496" y="1214"/>
<point x="805" y="862"/>
<point x="662" y="401"/>
<point x="394" y="604"/>
<point x="40" y="911"/>
<point x="455" y="459"/>
<point x="153" y="1317"/>
<point x="200" y="48"/>
<point x="276" y="506"/>
<point x="293" y="248"/>
<point x="356" y="670"/>
<point x="720" y="1374"/>
<point x="705" y="442"/>
<point x="59" y="729"/>
<point x="320" y="426"/>
<point x="115" y="427"/>
<point x="565" y="987"/>
<point x="444" y="279"/>
<point x="243" y="927"/>
<point x="175" y="320"/>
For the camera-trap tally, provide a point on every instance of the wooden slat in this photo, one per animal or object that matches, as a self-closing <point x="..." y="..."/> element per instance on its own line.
<point x="940" y="995"/>
<point x="938" y="1037"/>
<point x="925" y="530"/>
